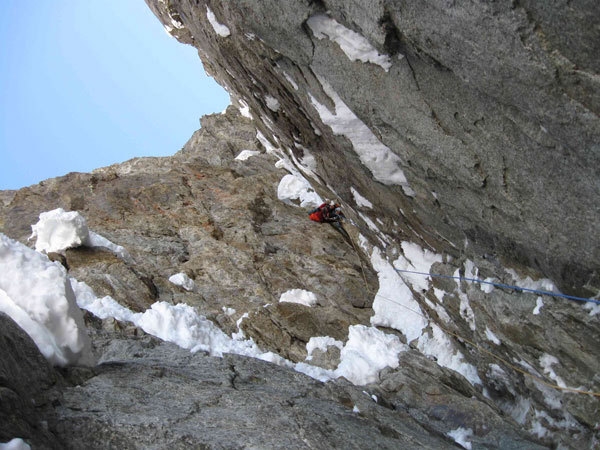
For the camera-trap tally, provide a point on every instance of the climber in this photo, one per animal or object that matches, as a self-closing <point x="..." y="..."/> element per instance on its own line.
<point x="329" y="212"/>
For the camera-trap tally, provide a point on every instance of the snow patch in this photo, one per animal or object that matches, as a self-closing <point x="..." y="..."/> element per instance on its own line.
<point x="379" y="159"/>
<point x="290" y="80"/>
<point x="96" y="240"/>
<point x="491" y="336"/>
<point x="272" y="103"/>
<point x="245" y="154"/>
<point x="360" y="200"/>
<point x="593" y="308"/>
<point x="299" y="296"/>
<point x="15" y="444"/>
<point x="58" y="230"/>
<point x="220" y="29"/>
<point x="270" y="148"/>
<point x="37" y="294"/>
<point x="487" y="287"/>
<point x="367" y="352"/>
<point x="104" y="307"/>
<point x="355" y="46"/>
<point x="295" y="187"/>
<point x="181" y="279"/>
<point x="416" y="259"/>
<point x="308" y="163"/>
<point x="461" y="436"/>
<point x="439" y="346"/>
<point x="471" y="271"/>
<point x="228" y="311"/>
<point x="181" y="325"/>
<point x="546" y="362"/>
<point x="244" y="109"/>
<point x="538" y="305"/>
<point x="394" y="305"/>
<point x="321" y="343"/>
<point x="466" y="312"/>
<point x="439" y="309"/>
<point x="177" y="24"/>
<point x="543" y="284"/>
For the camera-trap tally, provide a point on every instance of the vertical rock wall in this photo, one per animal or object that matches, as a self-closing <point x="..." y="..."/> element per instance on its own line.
<point x="491" y="111"/>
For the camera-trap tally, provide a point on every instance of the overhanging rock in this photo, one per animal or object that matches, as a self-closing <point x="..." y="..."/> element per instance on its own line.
<point x="472" y="127"/>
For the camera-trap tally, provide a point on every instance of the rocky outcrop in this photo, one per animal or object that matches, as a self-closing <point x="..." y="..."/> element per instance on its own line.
<point x="490" y="109"/>
<point x="185" y="400"/>
<point x="28" y="386"/>
<point x="457" y="128"/>
<point x="218" y="220"/>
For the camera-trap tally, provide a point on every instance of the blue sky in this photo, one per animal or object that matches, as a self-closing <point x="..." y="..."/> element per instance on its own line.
<point x="87" y="83"/>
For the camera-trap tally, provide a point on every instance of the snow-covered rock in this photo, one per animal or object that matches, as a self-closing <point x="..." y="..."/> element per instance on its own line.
<point x="37" y="295"/>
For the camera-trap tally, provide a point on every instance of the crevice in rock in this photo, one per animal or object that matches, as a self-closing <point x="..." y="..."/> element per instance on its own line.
<point x="412" y="71"/>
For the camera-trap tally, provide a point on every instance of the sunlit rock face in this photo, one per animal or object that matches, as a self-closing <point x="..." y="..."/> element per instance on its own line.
<point x="485" y="115"/>
<point x="461" y="141"/>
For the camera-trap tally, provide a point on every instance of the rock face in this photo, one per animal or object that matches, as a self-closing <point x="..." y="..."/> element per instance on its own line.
<point x="465" y="135"/>
<point x="491" y="110"/>
<point x="218" y="220"/>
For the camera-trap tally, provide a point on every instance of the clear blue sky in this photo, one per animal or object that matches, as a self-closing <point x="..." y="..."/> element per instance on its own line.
<point x="87" y="83"/>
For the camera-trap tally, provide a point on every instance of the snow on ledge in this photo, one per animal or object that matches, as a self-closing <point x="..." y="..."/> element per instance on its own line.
<point x="299" y="296"/>
<point x="245" y="154"/>
<point x="296" y="187"/>
<point x="182" y="280"/>
<point x="220" y="29"/>
<point x="58" y="230"/>
<point x="367" y="352"/>
<point x="355" y="46"/>
<point x="272" y="103"/>
<point x="244" y="109"/>
<point x="395" y="307"/>
<point x="321" y="343"/>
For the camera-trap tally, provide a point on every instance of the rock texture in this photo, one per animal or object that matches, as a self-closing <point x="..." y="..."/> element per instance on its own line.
<point x="491" y="111"/>
<point x="218" y="219"/>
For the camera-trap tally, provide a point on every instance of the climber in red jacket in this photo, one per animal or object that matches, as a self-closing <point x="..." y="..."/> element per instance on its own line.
<point x="329" y="212"/>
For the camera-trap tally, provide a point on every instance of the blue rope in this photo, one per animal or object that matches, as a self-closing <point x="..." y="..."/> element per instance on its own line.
<point x="505" y="286"/>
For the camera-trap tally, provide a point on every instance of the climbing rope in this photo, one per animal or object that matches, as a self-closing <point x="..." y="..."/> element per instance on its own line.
<point x="362" y="269"/>
<point x="505" y="286"/>
<point x="495" y="356"/>
<point x="475" y="345"/>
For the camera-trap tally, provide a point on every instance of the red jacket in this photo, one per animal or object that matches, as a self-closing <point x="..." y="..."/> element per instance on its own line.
<point x="318" y="214"/>
<point x="324" y="213"/>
